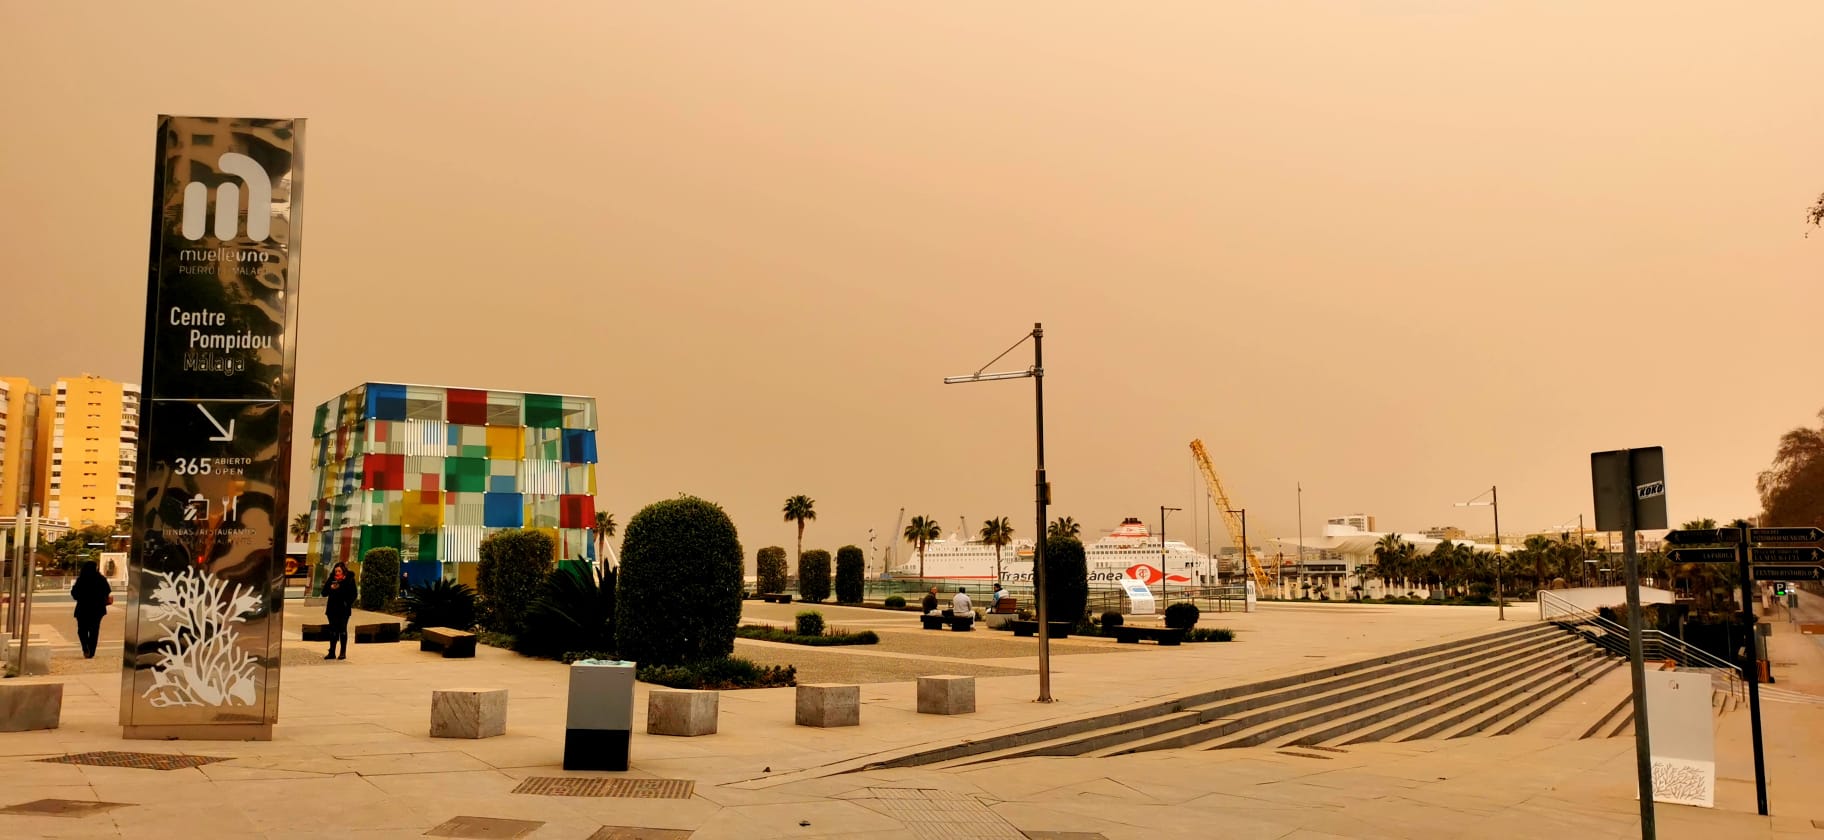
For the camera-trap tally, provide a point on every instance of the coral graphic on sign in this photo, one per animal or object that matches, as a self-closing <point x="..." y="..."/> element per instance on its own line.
<point x="200" y="659"/>
<point x="1683" y="782"/>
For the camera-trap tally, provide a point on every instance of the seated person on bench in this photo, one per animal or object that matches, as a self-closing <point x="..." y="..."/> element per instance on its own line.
<point x="960" y="605"/>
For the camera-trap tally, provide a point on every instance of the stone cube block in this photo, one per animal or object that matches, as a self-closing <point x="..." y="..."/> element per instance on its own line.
<point x="946" y="694"/>
<point x="469" y="713"/>
<point x="829" y="704"/>
<point x="679" y="711"/>
<point x="26" y="706"/>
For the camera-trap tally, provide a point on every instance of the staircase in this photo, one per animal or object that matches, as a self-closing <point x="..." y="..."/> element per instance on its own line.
<point x="1492" y="684"/>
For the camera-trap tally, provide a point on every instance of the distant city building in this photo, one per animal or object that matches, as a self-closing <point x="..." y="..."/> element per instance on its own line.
<point x="72" y="449"/>
<point x="18" y="444"/>
<point x="431" y="471"/>
<point x="1445" y="532"/>
<point x="1358" y="521"/>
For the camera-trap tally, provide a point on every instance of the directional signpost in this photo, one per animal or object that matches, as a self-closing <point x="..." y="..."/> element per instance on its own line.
<point x="1701" y="555"/>
<point x="1811" y="571"/>
<point x="1629" y="486"/>
<point x="1786" y="536"/>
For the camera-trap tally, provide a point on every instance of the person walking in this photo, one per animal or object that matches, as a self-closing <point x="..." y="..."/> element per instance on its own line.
<point x="92" y="596"/>
<point x="340" y="592"/>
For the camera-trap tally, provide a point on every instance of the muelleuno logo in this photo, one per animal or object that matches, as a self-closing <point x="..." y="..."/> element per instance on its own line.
<point x="228" y="201"/>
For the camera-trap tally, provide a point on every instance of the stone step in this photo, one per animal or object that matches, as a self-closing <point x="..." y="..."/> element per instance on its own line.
<point x="1417" y="711"/>
<point x="1257" y="712"/>
<point x="1595" y="671"/>
<point x="1516" y="701"/>
<point x="1279" y="689"/>
<point x="1364" y="709"/>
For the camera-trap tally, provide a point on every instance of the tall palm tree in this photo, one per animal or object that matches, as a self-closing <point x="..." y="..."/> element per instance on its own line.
<point x="800" y="509"/>
<point x="998" y="533"/>
<point x="1539" y="549"/>
<point x="1393" y="557"/>
<point x="604" y="529"/>
<point x="922" y="529"/>
<point x="1064" y="526"/>
<point x="300" y="527"/>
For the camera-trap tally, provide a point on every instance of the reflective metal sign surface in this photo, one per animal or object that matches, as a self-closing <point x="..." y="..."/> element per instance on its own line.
<point x="205" y="589"/>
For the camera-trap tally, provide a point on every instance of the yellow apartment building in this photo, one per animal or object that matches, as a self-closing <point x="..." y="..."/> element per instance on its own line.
<point x="87" y="452"/>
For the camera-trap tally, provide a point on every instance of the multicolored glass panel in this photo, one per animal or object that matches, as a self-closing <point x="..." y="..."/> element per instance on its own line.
<point x="432" y="471"/>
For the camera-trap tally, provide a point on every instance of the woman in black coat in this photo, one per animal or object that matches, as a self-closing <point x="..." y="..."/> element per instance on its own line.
<point x="92" y="595"/>
<point x="340" y="592"/>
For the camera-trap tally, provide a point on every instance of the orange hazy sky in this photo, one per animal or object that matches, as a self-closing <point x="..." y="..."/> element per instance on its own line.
<point x="1397" y="251"/>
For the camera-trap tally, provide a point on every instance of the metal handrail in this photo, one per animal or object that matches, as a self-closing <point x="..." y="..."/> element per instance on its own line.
<point x="1654" y="644"/>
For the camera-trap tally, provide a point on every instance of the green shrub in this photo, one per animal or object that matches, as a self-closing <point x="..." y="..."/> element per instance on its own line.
<point x="379" y="578"/>
<point x="769" y="569"/>
<point x="894" y="602"/>
<point x="719" y="673"/>
<point x="440" y="603"/>
<point x="1182" y="615"/>
<point x="810" y="623"/>
<point x="1066" y="580"/>
<point x="1113" y="619"/>
<point x="1209" y="634"/>
<point x="571" y="612"/>
<point x="829" y="638"/>
<point x="680" y="584"/>
<point x="814" y="575"/>
<point x="514" y="564"/>
<point x="850" y="570"/>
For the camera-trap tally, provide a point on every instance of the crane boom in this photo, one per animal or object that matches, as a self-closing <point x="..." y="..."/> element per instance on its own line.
<point x="1237" y="531"/>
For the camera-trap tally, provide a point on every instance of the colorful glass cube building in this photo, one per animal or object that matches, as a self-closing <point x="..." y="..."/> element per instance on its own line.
<point x="432" y="471"/>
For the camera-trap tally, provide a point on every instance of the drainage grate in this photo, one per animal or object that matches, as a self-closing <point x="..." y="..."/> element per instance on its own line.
<point x="60" y="807"/>
<point x="939" y="814"/>
<point x="617" y="788"/>
<point x="140" y="761"/>
<point x="627" y="832"/>
<point x="484" y="828"/>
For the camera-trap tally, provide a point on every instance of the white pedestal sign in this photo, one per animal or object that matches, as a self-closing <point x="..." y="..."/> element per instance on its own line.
<point x="1139" y="598"/>
<point x="1683" y="737"/>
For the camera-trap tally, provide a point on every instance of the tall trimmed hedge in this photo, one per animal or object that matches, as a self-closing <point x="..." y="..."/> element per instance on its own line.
<point x="379" y="578"/>
<point x="849" y="574"/>
<point x="678" y="597"/>
<point x="770" y="570"/>
<point x="1066" y="579"/>
<point x="814" y="575"/>
<point x="513" y="566"/>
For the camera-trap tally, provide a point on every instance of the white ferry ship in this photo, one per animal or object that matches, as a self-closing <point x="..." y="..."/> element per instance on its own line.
<point x="1129" y="551"/>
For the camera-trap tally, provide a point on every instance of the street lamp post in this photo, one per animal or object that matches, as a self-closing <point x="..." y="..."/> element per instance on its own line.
<point x="1043" y="487"/>
<point x="1494" y="502"/>
<point x="1162" y="581"/>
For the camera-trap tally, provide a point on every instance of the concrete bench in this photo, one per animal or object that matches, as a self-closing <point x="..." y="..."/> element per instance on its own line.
<point x="453" y="644"/>
<point x="946" y="694"/>
<point x="386" y="631"/>
<point x="958" y="623"/>
<point x="829" y="704"/>
<point x="776" y="597"/>
<point x="316" y="632"/>
<point x="469" y="713"/>
<point x="681" y="711"/>
<point x="1054" y="629"/>
<point x="1129" y="635"/>
<point x="28" y="706"/>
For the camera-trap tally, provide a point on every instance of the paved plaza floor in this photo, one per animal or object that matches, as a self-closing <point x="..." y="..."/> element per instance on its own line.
<point x="352" y="756"/>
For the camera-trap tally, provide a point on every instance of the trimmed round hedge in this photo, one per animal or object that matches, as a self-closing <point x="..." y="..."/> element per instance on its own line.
<point x="849" y="573"/>
<point x="814" y="575"/>
<point x="679" y="590"/>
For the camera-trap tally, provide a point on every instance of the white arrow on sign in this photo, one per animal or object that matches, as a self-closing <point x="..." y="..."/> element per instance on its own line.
<point x="227" y="434"/>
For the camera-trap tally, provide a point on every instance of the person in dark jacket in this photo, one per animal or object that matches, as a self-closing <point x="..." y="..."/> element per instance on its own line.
<point x="340" y="592"/>
<point x="92" y="596"/>
<point x="929" y="604"/>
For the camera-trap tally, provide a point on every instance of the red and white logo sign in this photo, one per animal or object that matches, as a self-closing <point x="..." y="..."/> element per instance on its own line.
<point x="1149" y="575"/>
